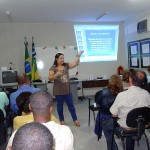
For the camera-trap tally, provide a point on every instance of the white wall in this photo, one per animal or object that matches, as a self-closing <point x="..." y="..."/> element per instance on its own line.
<point x="50" y="34"/>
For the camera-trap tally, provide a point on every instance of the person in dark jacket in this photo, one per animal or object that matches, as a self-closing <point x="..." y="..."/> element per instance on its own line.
<point x="105" y="99"/>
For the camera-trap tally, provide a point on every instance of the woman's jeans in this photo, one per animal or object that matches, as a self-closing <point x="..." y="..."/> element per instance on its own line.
<point x="107" y="127"/>
<point x="69" y="101"/>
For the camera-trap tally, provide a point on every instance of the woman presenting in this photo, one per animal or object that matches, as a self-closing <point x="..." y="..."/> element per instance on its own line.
<point x="61" y="89"/>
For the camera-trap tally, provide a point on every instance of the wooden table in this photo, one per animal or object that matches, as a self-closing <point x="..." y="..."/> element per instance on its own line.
<point x="94" y="83"/>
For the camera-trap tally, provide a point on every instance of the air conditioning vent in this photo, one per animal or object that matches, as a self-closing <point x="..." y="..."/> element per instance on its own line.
<point x="143" y="26"/>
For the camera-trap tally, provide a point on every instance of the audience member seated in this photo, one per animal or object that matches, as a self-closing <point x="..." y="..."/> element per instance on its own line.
<point x="145" y="85"/>
<point x="148" y="68"/>
<point x="105" y="99"/>
<point x="125" y="79"/>
<point x="134" y="97"/>
<point x="25" y="114"/>
<point x="23" y="86"/>
<point x="132" y="70"/>
<point x="32" y="136"/>
<point x="6" y="126"/>
<point x="4" y="101"/>
<point x="41" y="106"/>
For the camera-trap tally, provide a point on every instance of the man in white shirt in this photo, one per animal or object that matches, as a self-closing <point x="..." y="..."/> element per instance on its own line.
<point x="32" y="136"/>
<point x="41" y="106"/>
<point x="134" y="97"/>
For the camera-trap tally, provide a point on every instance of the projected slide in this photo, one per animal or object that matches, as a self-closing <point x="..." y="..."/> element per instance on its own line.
<point x="99" y="42"/>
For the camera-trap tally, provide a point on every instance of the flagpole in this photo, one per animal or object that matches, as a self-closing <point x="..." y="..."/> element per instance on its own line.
<point x="35" y="75"/>
<point x="32" y="39"/>
<point x="25" y="40"/>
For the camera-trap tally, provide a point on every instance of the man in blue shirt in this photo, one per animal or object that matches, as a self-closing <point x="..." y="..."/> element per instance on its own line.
<point x="23" y="86"/>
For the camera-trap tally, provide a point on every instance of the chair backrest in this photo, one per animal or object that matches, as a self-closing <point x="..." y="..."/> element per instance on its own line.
<point x="137" y="113"/>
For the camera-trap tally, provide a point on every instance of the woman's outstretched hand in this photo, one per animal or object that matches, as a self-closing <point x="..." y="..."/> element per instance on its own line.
<point x="80" y="53"/>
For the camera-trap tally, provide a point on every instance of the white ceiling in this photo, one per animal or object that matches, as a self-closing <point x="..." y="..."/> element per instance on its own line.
<point x="44" y="11"/>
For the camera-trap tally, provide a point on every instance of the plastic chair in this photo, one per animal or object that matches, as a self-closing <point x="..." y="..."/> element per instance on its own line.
<point x="137" y="118"/>
<point x="92" y="108"/>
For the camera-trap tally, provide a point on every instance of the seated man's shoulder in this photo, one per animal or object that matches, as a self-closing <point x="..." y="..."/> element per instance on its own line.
<point x="30" y="89"/>
<point x="137" y="91"/>
<point x="65" y="129"/>
<point x="15" y="93"/>
<point x="62" y="135"/>
<point x="36" y="89"/>
<point x="56" y="128"/>
<point x="123" y="93"/>
<point x="145" y="91"/>
<point x="33" y="89"/>
<point x="2" y="93"/>
<point x="57" y="125"/>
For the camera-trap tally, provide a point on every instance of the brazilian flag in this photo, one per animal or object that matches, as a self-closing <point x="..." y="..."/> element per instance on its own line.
<point x="35" y="74"/>
<point x="27" y="61"/>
